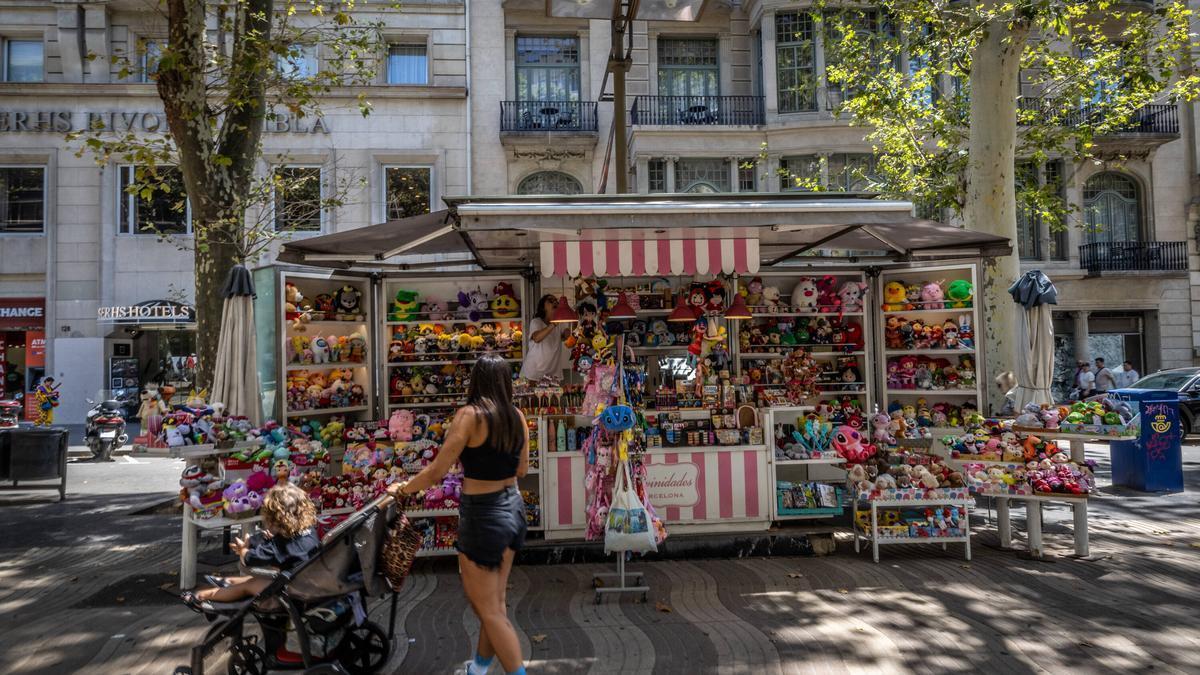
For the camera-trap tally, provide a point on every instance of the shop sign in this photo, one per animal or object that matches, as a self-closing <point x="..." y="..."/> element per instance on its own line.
<point x="22" y="312"/>
<point x="35" y="349"/>
<point x="672" y="484"/>
<point x="150" y="312"/>
<point x="63" y="121"/>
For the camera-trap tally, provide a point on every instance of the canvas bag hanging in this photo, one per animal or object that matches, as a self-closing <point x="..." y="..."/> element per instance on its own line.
<point x="628" y="527"/>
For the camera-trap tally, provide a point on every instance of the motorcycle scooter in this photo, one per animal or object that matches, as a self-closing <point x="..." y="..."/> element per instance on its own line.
<point x="104" y="428"/>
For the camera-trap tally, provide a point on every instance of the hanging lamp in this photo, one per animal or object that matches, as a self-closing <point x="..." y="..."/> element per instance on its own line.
<point x="622" y="310"/>
<point x="563" y="312"/>
<point x="738" y="310"/>
<point x="683" y="312"/>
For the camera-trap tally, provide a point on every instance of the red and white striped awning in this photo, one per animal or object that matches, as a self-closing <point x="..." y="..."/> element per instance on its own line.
<point x="649" y="257"/>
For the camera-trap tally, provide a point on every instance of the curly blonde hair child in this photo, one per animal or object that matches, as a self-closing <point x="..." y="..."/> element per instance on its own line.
<point x="287" y="511"/>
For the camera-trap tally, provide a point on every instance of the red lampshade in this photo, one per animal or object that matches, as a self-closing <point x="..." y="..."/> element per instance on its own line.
<point x="738" y="310"/>
<point x="683" y="312"/>
<point x="563" y="313"/>
<point x="622" y="310"/>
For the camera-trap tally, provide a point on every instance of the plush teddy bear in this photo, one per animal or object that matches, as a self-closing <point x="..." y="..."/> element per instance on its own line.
<point x="804" y="295"/>
<point x="851" y="295"/>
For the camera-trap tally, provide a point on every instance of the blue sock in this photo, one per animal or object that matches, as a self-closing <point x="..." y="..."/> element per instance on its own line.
<point x="518" y="671"/>
<point x="480" y="664"/>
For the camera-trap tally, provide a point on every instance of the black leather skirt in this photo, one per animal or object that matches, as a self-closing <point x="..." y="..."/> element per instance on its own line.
<point x="489" y="524"/>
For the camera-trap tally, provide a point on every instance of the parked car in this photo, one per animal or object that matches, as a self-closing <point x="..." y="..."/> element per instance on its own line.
<point x="1186" y="381"/>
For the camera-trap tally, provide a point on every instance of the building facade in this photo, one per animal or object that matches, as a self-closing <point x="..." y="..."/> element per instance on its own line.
<point x="494" y="97"/>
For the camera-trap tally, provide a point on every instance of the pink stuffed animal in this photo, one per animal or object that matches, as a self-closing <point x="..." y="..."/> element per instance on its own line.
<point x="852" y="294"/>
<point x="932" y="296"/>
<point x="848" y="443"/>
<point x="400" y="425"/>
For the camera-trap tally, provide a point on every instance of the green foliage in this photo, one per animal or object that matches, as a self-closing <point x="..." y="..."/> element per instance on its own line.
<point x="903" y="67"/>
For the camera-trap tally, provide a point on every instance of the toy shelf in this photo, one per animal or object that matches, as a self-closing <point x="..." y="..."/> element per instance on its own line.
<point x="413" y="364"/>
<point x="877" y="539"/>
<point x="927" y="352"/>
<point x="815" y="355"/>
<point x="435" y="552"/>
<point x="327" y="366"/>
<point x="932" y="392"/>
<point x="760" y="313"/>
<point x="311" y="412"/>
<point x="427" y="404"/>
<point x="797" y="462"/>
<point x="431" y="513"/>
<point x="902" y="312"/>
<point x="209" y="449"/>
<point x="451" y="322"/>
<point x="324" y="322"/>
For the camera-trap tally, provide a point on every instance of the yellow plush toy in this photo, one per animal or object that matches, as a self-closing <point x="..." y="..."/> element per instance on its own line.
<point x="895" y="297"/>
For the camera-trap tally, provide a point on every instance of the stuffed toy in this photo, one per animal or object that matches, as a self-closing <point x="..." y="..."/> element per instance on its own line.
<point x="828" y="300"/>
<point x="320" y="350"/>
<point x="504" y="304"/>
<point x="931" y="295"/>
<point x="804" y="295"/>
<point x="959" y="294"/>
<point x="405" y="306"/>
<point x="346" y="304"/>
<point x="770" y="298"/>
<point x="851" y="294"/>
<point x="754" y="292"/>
<point x="894" y="299"/>
<point x="716" y="296"/>
<point x="473" y="304"/>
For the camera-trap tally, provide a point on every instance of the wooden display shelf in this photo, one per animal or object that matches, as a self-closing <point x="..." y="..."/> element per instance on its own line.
<point x="312" y="412"/>
<point x="325" y="366"/>
<point x="798" y="462"/>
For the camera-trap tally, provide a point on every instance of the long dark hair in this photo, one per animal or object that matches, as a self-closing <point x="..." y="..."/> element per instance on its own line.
<point x="541" y="308"/>
<point x="491" y="393"/>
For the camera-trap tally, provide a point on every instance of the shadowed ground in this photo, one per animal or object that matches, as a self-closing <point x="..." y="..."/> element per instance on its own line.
<point x="87" y="587"/>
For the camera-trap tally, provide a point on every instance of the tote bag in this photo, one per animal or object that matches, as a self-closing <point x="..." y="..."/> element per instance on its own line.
<point x="628" y="527"/>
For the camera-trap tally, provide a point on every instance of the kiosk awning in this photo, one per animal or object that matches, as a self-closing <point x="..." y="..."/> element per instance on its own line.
<point x="430" y="239"/>
<point x="646" y="234"/>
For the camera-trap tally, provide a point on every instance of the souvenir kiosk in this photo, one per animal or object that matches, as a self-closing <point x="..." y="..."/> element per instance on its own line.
<point x="785" y="314"/>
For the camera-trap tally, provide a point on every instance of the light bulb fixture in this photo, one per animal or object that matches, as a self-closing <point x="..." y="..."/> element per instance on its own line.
<point x="563" y="313"/>
<point x="737" y="310"/>
<point x="622" y="310"/>
<point x="683" y="312"/>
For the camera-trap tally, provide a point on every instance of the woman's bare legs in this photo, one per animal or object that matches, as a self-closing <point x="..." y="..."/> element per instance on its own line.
<point x="485" y="590"/>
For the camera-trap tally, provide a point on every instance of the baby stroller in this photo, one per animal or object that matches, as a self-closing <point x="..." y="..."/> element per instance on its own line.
<point x="324" y="600"/>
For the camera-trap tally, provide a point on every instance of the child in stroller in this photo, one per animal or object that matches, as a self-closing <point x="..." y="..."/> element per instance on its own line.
<point x="289" y="517"/>
<point x="322" y="599"/>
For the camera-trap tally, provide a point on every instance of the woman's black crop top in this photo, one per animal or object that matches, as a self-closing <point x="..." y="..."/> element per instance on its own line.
<point x="487" y="462"/>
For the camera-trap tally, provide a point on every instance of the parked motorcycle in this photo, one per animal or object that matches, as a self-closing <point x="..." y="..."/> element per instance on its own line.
<point x="10" y="414"/>
<point x="104" y="428"/>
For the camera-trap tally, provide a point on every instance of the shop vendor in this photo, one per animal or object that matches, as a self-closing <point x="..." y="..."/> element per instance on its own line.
<point x="546" y="355"/>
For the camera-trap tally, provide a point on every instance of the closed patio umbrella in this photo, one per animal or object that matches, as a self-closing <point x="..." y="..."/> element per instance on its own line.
<point x="1035" y="338"/>
<point x="235" y="374"/>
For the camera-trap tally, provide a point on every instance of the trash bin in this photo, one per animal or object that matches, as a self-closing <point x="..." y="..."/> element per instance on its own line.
<point x="1152" y="462"/>
<point x="34" y="455"/>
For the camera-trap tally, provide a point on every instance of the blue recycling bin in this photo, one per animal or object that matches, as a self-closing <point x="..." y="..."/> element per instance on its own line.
<point x="1152" y="462"/>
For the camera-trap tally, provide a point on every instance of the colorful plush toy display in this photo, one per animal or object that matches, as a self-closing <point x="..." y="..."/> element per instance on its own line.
<point x="504" y="303"/>
<point x="404" y="306"/>
<point x="959" y="294"/>
<point x="894" y="297"/>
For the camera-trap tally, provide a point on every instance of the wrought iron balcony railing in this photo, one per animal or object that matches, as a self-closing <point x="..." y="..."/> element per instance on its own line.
<point x="548" y="116"/>
<point x="697" y="110"/>
<point x="1134" y="256"/>
<point x="1155" y="118"/>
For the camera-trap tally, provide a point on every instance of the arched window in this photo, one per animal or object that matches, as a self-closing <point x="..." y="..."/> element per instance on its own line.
<point x="549" y="183"/>
<point x="1112" y="208"/>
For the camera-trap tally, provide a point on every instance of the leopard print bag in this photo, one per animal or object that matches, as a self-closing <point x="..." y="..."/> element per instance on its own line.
<point x="400" y="547"/>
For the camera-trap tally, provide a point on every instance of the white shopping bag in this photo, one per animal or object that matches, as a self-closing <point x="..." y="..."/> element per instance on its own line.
<point x="628" y="527"/>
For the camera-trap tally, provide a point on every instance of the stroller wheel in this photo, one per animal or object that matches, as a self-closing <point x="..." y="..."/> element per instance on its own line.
<point x="247" y="659"/>
<point x="364" y="649"/>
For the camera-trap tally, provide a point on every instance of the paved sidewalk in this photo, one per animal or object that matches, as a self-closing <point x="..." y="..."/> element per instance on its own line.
<point x="87" y="587"/>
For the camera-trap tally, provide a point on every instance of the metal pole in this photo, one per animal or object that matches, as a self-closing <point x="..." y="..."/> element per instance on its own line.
<point x="617" y="65"/>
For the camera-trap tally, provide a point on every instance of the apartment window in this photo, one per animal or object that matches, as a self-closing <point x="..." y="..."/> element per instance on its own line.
<point x="23" y="60"/>
<point x="161" y="210"/>
<point x="801" y="173"/>
<point x="656" y="175"/>
<point x="701" y="174"/>
<point x="868" y="26"/>
<point x="850" y="172"/>
<point x="549" y="183"/>
<point x="22" y="199"/>
<point x="407" y="191"/>
<point x="795" y="62"/>
<point x="152" y="52"/>
<point x="1054" y="174"/>
<point x="747" y="175"/>
<point x="298" y="199"/>
<point x="547" y="68"/>
<point x="1048" y="178"/>
<point x="1112" y="208"/>
<point x="407" y="64"/>
<point x="299" y="63"/>
<point x="688" y="67"/>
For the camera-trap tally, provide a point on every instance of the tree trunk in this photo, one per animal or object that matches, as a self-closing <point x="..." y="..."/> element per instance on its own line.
<point x="991" y="190"/>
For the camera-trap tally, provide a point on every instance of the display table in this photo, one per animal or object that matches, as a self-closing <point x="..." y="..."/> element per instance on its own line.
<point x="1076" y="440"/>
<point x="1033" y="520"/>
<point x="877" y="538"/>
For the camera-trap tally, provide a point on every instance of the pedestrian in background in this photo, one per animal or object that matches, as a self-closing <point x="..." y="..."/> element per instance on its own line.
<point x="1104" y="378"/>
<point x="1127" y="375"/>
<point x="1085" y="381"/>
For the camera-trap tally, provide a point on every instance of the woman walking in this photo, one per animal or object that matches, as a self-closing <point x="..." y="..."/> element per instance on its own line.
<point x="489" y="437"/>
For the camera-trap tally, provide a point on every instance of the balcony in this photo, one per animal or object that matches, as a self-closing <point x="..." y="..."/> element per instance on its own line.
<point x="548" y="117"/>
<point x="1151" y="125"/>
<point x="1134" y="256"/>
<point x="697" y="110"/>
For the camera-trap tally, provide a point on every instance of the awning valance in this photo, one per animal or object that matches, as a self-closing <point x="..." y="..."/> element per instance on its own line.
<point x="649" y="257"/>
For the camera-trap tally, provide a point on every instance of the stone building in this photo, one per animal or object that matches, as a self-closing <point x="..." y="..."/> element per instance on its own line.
<point x="494" y="97"/>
